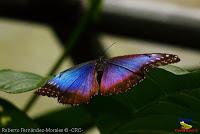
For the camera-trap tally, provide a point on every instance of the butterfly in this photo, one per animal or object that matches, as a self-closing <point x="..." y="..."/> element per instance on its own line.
<point x="105" y="76"/>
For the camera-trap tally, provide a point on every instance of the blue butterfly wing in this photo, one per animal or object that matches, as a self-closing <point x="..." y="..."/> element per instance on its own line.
<point x="123" y="72"/>
<point x="73" y="86"/>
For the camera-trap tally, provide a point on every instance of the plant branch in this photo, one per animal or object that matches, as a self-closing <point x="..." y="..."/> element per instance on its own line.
<point x="81" y="26"/>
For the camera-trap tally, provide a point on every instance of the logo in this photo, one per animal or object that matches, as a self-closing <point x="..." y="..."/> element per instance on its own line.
<point x="185" y="126"/>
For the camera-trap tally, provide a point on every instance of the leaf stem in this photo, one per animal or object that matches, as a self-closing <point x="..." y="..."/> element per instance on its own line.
<point x="80" y="28"/>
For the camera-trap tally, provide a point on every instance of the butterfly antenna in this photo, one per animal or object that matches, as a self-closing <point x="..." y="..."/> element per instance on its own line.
<point x="107" y="48"/>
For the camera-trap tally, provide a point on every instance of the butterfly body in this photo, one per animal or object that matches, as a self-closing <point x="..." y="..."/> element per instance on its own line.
<point x="105" y="76"/>
<point x="100" y="65"/>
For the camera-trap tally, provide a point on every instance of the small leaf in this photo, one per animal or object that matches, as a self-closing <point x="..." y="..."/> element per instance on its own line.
<point x="174" y="69"/>
<point x="12" y="117"/>
<point x="18" y="82"/>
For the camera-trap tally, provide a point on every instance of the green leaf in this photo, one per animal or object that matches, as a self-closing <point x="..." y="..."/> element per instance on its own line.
<point x="174" y="69"/>
<point x="71" y="117"/>
<point x="12" y="117"/>
<point x="18" y="82"/>
<point x="153" y="106"/>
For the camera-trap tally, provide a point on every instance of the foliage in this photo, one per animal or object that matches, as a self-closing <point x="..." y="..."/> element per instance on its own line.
<point x="154" y="106"/>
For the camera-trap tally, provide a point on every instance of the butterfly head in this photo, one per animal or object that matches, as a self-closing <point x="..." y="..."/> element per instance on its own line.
<point x="100" y="64"/>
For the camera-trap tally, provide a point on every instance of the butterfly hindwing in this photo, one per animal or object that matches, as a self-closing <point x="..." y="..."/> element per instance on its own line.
<point x="123" y="72"/>
<point x="73" y="86"/>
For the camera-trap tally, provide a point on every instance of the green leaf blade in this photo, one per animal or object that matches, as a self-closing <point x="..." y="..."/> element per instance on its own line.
<point x="18" y="82"/>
